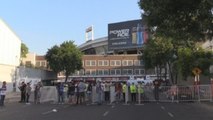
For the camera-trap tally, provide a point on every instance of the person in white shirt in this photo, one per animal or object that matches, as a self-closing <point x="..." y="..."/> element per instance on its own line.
<point x="3" y="93"/>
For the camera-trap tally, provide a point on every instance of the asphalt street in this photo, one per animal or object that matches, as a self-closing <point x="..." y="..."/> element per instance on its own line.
<point x="146" y="111"/>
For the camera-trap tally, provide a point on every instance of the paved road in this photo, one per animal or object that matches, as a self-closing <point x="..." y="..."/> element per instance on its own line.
<point x="148" y="111"/>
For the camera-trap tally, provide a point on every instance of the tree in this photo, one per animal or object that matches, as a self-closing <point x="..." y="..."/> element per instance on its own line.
<point x="24" y="51"/>
<point x="64" y="58"/>
<point x="53" y="57"/>
<point x="182" y="20"/>
<point x="157" y="52"/>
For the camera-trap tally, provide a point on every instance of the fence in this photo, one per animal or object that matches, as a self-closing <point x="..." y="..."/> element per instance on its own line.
<point x="150" y="94"/>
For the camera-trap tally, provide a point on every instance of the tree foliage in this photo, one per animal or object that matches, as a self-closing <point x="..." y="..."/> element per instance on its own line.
<point x="65" y="58"/>
<point x="182" y="20"/>
<point x="24" y="50"/>
<point x="183" y="23"/>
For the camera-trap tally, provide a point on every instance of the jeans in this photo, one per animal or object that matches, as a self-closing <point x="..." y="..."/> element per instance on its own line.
<point x="2" y="100"/>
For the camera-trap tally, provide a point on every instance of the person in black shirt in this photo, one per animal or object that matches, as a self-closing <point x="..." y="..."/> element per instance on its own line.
<point x="22" y="88"/>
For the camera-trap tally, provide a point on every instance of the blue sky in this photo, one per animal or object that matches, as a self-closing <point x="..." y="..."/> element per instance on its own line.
<point x="40" y="24"/>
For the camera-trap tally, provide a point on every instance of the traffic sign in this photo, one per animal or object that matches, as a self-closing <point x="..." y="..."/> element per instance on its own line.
<point x="196" y="71"/>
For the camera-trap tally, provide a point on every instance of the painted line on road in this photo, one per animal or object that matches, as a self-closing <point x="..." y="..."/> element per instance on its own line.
<point x="162" y="107"/>
<point x="105" y="114"/>
<point x="170" y="114"/>
<point x="48" y="112"/>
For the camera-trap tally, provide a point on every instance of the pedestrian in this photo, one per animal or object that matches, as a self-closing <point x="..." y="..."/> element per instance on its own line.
<point x="89" y="92"/>
<point x="140" y="91"/>
<point x="124" y="91"/>
<point x="22" y="88"/>
<point x="118" y="91"/>
<point x="60" y="89"/>
<point x="133" y="92"/>
<point x="81" y="88"/>
<point x="99" y="92"/>
<point x="3" y="90"/>
<point x="156" y="84"/>
<point x="28" y="92"/>
<point x="107" y="91"/>
<point x="71" y="92"/>
<point x="37" y="93"/>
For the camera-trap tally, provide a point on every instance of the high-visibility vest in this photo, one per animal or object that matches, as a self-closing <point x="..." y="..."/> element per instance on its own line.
<point x="133" y="89"/>
<point x="124" y="88"/>
<point x="140" y="89"/>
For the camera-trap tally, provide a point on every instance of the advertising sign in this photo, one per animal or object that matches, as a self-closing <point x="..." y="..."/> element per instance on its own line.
<point x="129" y="34"/>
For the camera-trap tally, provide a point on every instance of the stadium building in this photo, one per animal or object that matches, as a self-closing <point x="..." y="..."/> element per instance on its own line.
<point x="117" y="56"/>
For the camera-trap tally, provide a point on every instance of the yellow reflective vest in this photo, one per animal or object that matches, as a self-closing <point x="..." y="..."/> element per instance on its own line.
<point x="132" y="89"/>
<point x="140" y="89"/>
<point x="124" y="88"/>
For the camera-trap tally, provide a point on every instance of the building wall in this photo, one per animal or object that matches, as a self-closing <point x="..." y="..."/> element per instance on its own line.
<point x="30" y="57"/>
<point x="95" y="63"/>
<point x="10" y="46"/>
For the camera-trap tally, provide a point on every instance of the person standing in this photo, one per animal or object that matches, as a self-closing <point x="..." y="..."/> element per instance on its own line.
<point x="140" y="91"/>
<point x="133" y="92"/>
<point x="89" y="92"/>
<point x="124" y="91"/>
<point x="81" y="88"/>
<point x="37" y="93"/>
<point x="28" y="92"/>
<point x="99" y="92"/>
<point x="71" y="92"/>
<point x="22" y="88"/>
<point x="60" y="88"/>
<point x="3" y="93"/>
<point x="107" y="91"/>
<point x="156" y="84"/>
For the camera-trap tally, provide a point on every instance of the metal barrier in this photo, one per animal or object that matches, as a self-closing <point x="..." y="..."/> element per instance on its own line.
<point x="165" y="94"/>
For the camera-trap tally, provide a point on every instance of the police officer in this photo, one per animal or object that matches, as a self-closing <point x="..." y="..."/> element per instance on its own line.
<point x="133" y="92"/>
<point x="140" y="91"/>
<point x="124" y="91"/>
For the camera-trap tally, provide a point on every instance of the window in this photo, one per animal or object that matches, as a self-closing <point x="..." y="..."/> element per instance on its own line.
<point x="115" y="63"/>
<point x="93" y="72"/>
<point x="130" y="63"/>
<point x="112" y="63"/>
<point x="115" y="72"/>
<point x="103" y="72"/>
<point x="118" y="72"/>
<point x="103" y="63"/>
<point x="112" y="72"/>
<point x="125" y="63"/>
<point x="139" y="71"/>
<point x="38" y="64"/>
<point x="87" y="63"/>
<point x="90" y="63"/>
<point x="106" y="72"/>
<point x="138" y="62"/>
<point x="118" y="63"/>
<point x="43" y="63"/>
<point x="106" y="63"/>
<point x="100" y="72"/>
<point x="127" y="71"/>
<point x="87" y="72"/>
<point x="93" y="63"/>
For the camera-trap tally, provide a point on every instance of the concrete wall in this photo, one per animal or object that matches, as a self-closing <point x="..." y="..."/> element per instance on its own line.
<point x="14" y="76"/>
